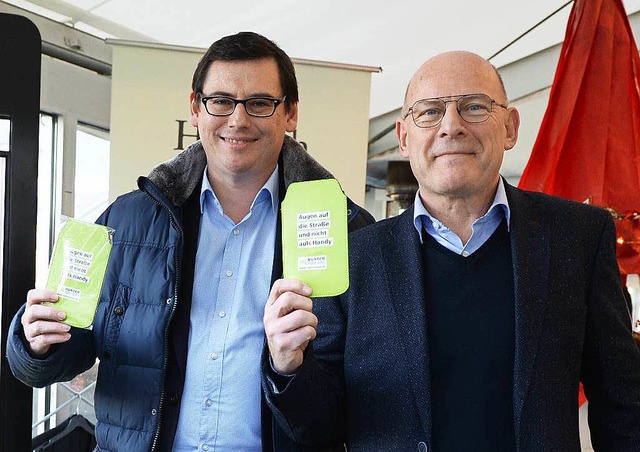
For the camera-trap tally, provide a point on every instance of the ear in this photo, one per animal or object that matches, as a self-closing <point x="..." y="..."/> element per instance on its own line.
<point x="292" y="117"/>
<point x="195" y="110"/>
<point x="511" y="125"/>
<point x="401" y="132"/>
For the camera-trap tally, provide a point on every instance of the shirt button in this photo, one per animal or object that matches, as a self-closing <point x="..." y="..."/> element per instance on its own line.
<point x="222" y="314"/>
<point x="465" y="253"/>
<point x="213" y="356"/>
<point x="205" y="447"/>
<point x="236" y="232"/>
<point x="169" y="300"/>
<point x="229" y="273"/>
<point x="209" y="402"/>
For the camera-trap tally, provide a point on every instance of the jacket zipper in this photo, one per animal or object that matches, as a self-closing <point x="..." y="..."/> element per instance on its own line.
<point x="166" y="332"/>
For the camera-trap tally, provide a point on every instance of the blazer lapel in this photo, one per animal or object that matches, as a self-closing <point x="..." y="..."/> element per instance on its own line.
<point x="401" y="254"/>
<point x="530" y="242"/>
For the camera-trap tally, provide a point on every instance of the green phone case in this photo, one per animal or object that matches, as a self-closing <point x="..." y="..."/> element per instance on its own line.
<point x="314" y="236"/>
<point x="77" y="270"/>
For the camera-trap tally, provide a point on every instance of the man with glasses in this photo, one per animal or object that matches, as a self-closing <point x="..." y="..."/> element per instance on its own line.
<point x="178" y="330"/>
<point x="470" y="318"/>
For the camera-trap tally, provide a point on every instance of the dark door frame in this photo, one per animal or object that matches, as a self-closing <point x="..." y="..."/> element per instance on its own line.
<point x="20" y="57"/>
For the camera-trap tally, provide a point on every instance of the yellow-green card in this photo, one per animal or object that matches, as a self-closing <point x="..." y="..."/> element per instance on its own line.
<point x="77" y="270"/>
<point x="314" y="236"/>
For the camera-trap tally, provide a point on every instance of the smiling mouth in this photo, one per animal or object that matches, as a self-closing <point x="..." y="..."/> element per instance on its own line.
<point x="238" y="140"/>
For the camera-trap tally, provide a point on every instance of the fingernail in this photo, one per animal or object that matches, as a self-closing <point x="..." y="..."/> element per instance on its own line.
<point x="61" y="315"/>
<point x="67" y="328"/>
<point x="53" y="297"/>
<point x="307" y="290"/>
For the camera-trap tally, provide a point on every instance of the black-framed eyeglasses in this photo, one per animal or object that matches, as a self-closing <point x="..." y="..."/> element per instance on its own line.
<point x="261" y="107"/>
<point x="472" y="108"/>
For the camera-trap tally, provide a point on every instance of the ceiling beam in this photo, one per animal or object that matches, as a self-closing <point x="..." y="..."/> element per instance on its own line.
<point x="84" y="16"/>
<point x="66" y="43"/>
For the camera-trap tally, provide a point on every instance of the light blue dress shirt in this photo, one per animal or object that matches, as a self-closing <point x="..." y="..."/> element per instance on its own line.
<point x="221" y="402"/>
<point x="482" y="228"/>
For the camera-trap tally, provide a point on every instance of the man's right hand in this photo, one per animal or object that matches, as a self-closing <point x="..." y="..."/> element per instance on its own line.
<point x="289" y="324"/>
<point x="41" y="324"/>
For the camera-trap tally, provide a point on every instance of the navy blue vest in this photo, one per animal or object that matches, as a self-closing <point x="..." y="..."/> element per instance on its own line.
<point x="470" y="324"/>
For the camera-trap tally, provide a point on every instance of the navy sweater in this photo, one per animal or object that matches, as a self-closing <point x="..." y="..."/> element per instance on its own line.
<point x="470" y="324"/>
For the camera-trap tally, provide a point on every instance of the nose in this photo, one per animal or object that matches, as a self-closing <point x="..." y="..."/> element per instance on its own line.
<point x="239" y="117"/>
<point x="452" y="123"/>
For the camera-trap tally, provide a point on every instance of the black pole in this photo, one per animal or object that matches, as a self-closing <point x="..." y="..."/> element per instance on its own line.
<point x="20" y="54"/>
<point x="529" y="31"/>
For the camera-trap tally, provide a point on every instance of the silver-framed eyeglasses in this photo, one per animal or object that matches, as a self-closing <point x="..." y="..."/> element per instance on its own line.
<point x="472" y="108"/>
<point x="260" y="107"/>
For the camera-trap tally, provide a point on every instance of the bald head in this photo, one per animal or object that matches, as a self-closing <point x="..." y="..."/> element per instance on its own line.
<point x="452" y="74"/>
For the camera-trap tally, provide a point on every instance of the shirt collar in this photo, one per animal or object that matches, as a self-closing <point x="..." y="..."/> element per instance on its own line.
<point x="270" y="191"/>
<point x="420" y="213"/>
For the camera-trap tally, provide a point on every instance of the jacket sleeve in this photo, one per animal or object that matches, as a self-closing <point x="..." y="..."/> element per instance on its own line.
<point x="63" y="362"/>
<point x="611" y="359"/>
<point x="311" y="408"/>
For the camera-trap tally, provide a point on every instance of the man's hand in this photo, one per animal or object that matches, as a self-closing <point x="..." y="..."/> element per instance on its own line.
<point x="289" y="324"/>
<point x="41" y="324"/>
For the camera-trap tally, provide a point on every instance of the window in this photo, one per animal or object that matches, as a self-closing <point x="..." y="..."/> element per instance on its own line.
<point x="92" y="173"/>
<point x="56" y="403"/>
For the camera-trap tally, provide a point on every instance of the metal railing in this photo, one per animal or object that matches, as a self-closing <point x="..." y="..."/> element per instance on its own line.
<point x="77" y="396"/>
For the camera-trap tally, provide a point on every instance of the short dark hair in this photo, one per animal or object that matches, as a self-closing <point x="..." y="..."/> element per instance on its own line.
<point x="244" y="46"/>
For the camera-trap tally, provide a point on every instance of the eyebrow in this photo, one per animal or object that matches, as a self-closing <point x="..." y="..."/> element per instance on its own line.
<point x="226" y="94"/>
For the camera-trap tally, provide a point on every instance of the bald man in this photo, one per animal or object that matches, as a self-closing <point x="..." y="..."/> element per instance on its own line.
<point x="472" y="317"/>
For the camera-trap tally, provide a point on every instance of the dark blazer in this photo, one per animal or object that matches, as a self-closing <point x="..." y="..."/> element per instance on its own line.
<point x="365" y="379"/>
